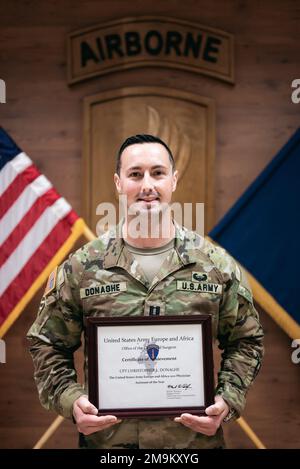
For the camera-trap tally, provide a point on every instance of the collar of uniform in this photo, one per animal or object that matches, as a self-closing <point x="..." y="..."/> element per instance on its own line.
<point x="114" y="246"/>
<point x="118" y="255"/>
<point x="186" y="242"/>
<point x="183" y="254"/>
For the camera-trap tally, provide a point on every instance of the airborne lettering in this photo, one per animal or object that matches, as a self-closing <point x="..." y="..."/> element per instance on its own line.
<point x="153" y="43"/>
<point x="150" y="41"/>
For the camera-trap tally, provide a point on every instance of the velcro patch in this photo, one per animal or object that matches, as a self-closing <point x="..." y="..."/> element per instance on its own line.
<point x="51" y="282"/>
<point x="60" y="278"/>
<point x="154" y="308"/>
<point x="199" y="276"/>
<point x="245" y="293"/>
<point x="108" y="288"/>
<point x="201" y="287"/>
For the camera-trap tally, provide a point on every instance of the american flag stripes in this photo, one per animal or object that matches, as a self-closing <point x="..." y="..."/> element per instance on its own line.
<point x="37" y="228"/>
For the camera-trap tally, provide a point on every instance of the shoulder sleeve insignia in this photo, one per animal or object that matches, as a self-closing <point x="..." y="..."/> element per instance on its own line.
<point x="238" y="272"/>
<point x="51" y="282"/>
<point x="60" y="280"/>
<point x="245" y="293"/>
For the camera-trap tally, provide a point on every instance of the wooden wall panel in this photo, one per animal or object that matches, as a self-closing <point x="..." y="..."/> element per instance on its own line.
<point x="255" y="117"/>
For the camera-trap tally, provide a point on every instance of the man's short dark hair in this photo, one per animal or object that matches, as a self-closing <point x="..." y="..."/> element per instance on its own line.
<point x="142" y="138"/>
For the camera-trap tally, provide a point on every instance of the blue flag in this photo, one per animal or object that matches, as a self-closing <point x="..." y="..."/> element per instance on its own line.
<point x="261" y="230"/>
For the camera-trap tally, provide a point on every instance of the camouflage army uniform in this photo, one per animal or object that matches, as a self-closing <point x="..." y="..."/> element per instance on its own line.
<point x="56" y="333"/>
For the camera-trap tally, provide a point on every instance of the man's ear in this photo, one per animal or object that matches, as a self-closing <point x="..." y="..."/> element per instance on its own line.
<point x="117" y="182"/>
<point x="175" y="178"/>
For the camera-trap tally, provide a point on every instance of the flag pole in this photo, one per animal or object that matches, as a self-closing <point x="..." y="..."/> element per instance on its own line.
<point x="78" y="229"/>
<point x="240" y="421"/>
<point x="250" y="433"/>
<point x="270" y="305"/>
<point x="49" y="432"/>
<point x="89" y="235"/>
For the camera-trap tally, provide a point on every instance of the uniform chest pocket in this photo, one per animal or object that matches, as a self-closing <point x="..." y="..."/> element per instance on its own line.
<point x="202" y="296"/>
<point x="111" y="299"/>
<point x="187" y="297"/>
<point x="102" y="289"/>
<point x="199" y="287"/>
<point x="103" y="299"/>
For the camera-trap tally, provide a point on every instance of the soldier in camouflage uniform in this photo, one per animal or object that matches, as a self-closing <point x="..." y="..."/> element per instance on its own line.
<point x="196" y="276"/>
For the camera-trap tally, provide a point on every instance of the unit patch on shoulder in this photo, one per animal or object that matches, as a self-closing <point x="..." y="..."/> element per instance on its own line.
<point x="60" y="278"/>
<point x="245" y="293"/>
<point x="51" y="282"/>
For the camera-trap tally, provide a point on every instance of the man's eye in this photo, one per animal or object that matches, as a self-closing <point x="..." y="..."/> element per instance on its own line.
<point x="134" y="174"/>
<point x="158" y="173"/>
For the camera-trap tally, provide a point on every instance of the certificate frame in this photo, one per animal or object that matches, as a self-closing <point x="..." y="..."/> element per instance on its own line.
<point x="95" y="369"/>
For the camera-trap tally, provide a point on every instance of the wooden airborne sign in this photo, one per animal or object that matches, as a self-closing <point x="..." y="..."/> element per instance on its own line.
<point x="149" y="41"/>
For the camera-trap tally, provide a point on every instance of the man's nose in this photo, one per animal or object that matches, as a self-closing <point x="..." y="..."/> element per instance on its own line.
<point x="147" y="183"/>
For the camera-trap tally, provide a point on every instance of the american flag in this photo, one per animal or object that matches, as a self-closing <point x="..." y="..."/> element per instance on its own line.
<point x="37" y="228"/>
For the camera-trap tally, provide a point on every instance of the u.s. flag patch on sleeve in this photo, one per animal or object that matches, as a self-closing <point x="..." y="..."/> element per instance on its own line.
<point x="51" y="282"/>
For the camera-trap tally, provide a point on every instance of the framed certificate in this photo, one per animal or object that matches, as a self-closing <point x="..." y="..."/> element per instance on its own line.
<point x="149" y="366"/>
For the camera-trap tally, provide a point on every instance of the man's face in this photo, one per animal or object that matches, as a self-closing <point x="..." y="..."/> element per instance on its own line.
<point x="146" y="176"/>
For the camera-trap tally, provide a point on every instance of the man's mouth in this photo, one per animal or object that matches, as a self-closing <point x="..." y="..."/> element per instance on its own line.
<point x="148" y="199"/>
